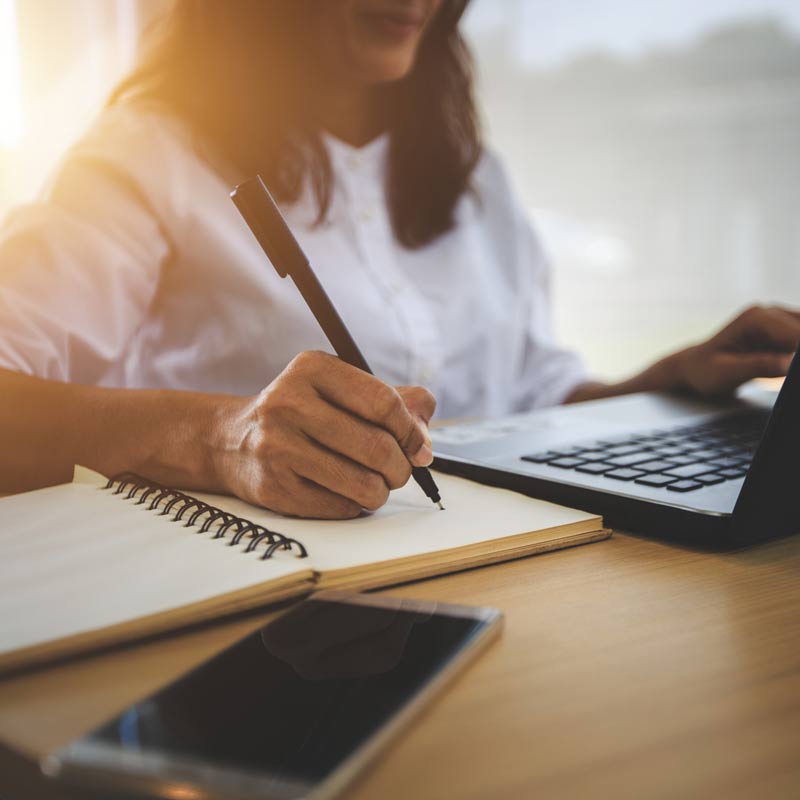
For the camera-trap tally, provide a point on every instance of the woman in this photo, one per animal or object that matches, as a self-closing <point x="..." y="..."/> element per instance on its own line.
<point x="140" y="323"/>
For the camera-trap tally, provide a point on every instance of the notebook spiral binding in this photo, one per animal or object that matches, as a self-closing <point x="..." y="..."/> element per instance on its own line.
<point x="202" y="516"/>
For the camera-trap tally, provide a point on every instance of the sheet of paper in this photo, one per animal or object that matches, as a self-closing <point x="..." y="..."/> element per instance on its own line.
<point x="410" y="525"/>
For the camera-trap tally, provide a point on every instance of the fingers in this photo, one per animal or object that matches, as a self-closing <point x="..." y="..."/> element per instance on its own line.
<point x="315" y="502"/>
<point x="369" y="398"/>
<point x="282" y="447"/>
<point x="278" y="487"/>
<point x="362" y="442"/>
<point x="780" y="327"/>
<point x="759" y="328"/>
<point x="339" y="475"/>
<point x="793" y="312"/>
<point x="272" y="483"/>
<point x="727" y="371"/>
<point x="326" y="440"/>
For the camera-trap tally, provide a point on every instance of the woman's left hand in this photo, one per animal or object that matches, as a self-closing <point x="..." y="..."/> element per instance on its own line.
<point x="759" y="343"/>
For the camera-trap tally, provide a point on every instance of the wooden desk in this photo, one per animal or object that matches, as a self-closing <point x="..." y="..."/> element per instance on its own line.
<point x="628" y="669"/>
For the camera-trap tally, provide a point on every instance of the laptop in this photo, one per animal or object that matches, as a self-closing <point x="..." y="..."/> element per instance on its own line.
<point x="713" y="473"/>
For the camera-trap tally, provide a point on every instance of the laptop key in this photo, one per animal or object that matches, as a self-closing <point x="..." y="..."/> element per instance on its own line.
<point x="655" y="466"/>
<point x="726" y="449"/>
<point x="595" y="468"/>
<point x="593" y="455"/>
<point x="625" y="474"/>
<point x="668" y="450"/>
<point x="684" y="486"/>
<point x="565" y="463"/>
<point x="540" y="458"/>
<point x="656" y="480"/>
<point x="681" y="460"/>
<point x="694" y="445"/>
<point x="689" y="470"/>
<point x="706" y="455"/>
<point x="711" y="478"/>
<point x="623" y="449"/>
<point x="733" y="473"/>
<point x="728" y="461"/>
<point x="630" y="460"/>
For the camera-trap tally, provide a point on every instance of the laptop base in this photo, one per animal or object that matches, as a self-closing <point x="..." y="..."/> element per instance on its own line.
<point x="640" y="517"/>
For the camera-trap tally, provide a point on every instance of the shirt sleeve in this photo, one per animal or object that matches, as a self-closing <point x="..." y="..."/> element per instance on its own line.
<point x="80" y="267"/>
<point x="547" y="372"/>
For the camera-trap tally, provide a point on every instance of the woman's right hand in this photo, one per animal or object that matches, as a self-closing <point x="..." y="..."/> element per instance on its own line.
<point x="324" y="439"/>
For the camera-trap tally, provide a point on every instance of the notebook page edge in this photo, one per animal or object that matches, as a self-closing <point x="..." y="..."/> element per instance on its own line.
<point x="220" y="607"/>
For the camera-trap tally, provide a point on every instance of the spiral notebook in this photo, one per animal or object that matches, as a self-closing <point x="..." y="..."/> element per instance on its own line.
<point x="97" y="562"/>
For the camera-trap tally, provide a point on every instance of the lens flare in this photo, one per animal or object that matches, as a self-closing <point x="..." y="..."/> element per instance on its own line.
<point x="11" y="127"/>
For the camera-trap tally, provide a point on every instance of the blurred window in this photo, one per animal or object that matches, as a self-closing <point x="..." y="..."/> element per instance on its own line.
<point x="657" y="148"/>
<point x="10" y="84"/>
<point x="58" y="61"/>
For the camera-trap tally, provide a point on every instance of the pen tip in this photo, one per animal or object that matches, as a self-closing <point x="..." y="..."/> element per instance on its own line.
<point x="441" y="507"/>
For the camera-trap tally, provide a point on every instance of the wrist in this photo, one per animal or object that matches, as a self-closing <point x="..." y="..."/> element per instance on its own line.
<point x="667" y="375"/>
<point x="226" y="432"/>
<point x="671" y="374"/>
<point x="187" y="438"/>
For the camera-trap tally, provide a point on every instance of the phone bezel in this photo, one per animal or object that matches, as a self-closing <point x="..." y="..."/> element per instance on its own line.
<point x="99" y="766"/>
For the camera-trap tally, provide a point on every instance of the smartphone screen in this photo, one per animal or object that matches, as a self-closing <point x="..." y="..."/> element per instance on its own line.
<point x="296" y="698"/>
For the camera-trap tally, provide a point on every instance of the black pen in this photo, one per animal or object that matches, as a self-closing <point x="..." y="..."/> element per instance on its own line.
<point x="265" y="220"/>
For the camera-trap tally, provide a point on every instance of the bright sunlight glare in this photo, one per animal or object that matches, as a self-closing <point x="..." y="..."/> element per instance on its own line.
<point x="10" y="86"/>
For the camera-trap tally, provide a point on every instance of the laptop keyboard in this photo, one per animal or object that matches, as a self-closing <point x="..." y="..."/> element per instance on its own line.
<point x="679" y="459"/>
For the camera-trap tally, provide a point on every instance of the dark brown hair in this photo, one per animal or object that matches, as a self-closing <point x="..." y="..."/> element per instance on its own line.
<point x="234" y="72"/>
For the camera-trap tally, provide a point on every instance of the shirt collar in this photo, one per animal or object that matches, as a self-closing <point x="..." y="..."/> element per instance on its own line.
<point x="368" y="161"/>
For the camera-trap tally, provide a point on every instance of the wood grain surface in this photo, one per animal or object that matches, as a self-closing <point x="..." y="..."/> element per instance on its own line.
<point x="628" y="669"/>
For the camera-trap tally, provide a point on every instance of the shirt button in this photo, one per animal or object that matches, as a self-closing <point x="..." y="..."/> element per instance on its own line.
<point x="353" y="161"/>
<point x="425" y="375"/>
<point x="366" y="215"/>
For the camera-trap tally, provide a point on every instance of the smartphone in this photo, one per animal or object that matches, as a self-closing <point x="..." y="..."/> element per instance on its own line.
<point x="294" y="710"/>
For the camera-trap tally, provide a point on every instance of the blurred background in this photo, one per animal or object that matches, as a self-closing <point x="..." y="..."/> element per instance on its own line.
<point x="656" y="145"/>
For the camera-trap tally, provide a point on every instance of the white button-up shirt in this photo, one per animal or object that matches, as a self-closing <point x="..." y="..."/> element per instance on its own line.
<point x="135" y="269"/>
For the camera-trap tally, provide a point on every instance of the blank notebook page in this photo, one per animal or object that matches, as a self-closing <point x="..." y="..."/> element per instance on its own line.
<point x="476" y="518"/>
